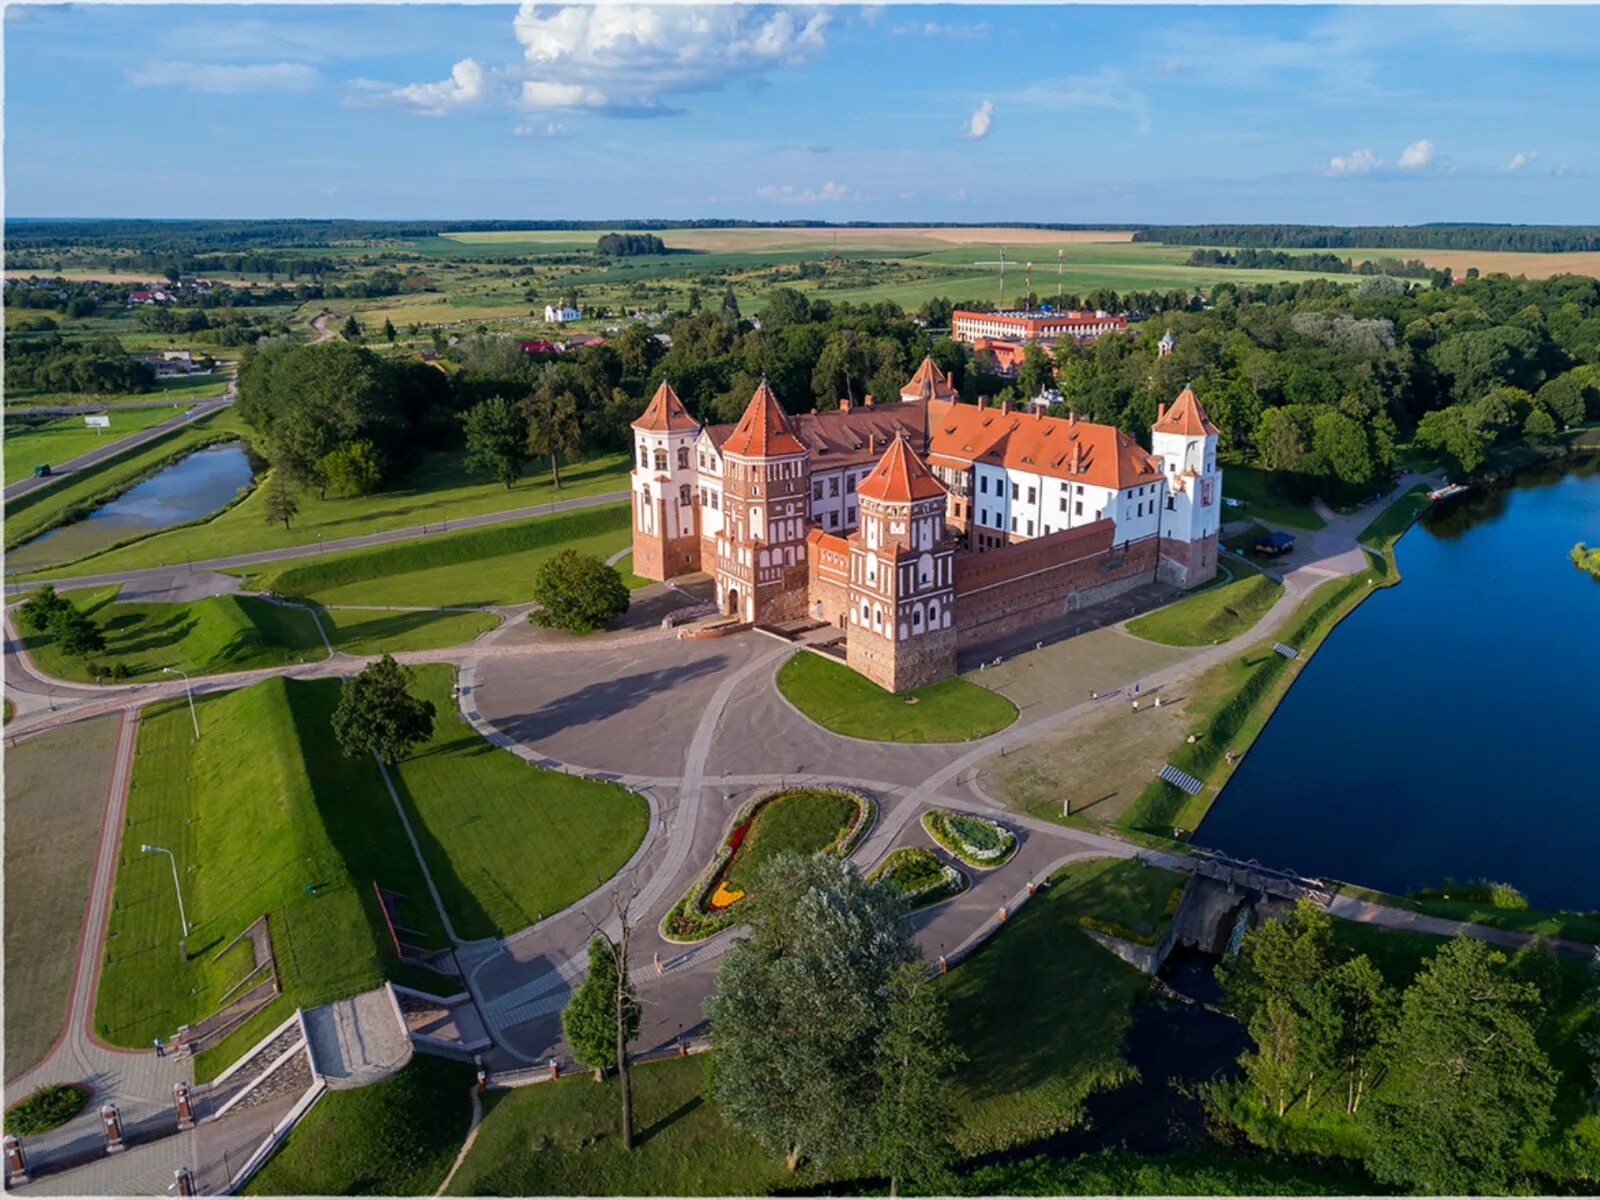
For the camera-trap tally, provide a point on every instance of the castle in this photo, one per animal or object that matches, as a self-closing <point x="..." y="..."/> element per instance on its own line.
<point x="921" y="527"/>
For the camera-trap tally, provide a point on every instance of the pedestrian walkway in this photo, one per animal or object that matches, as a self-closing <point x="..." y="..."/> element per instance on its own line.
<point x="359" y="1040"/>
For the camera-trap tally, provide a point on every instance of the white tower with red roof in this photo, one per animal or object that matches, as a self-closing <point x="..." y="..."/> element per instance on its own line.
<point x="666" y="539"/>
<point x="1185" y="441"/>
<point x="761" y="552"/>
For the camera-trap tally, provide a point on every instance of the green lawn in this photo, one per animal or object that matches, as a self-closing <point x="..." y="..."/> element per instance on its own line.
<point x="393" y="1138"/>
<point x="203" y="637"/>
<point x="57" y="439"/>
<point x="358" y="631"/>
<point x="440" y="491"/>
<point x="55" y="787"/>
<point x="260" y="809"/>
<point x="803" y="821"/>
<point x="1214" y="614"/>
<point x="1582" y="927"/>
<point x="30" y="515"/>
<point x="1264" y="499"/>
<point x="476" y="567"/>
<point x="1210" y="1171"/>
<point x="1388" y="526"/>
<point x="183" y="392"/>
<point x="505" y="841"/>
<point x="841" y="700"/>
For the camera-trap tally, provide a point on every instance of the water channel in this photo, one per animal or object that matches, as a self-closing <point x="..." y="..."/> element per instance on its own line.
<point x="1446" y="728"/>
<point x="193" y="487"/>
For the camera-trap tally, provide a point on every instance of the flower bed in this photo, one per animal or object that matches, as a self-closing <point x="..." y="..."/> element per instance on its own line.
<point x="976" y="841"/>
<point x="46" y="1108"/>
<point x="710" y="903"/>
<point x="921" y="877"/>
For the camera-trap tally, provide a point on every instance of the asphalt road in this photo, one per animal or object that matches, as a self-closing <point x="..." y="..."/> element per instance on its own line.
<point x="99" y="454"/>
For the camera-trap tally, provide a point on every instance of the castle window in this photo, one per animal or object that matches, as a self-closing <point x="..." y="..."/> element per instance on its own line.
<point x="1078" y="508"/>
<point x="1030" y="528"/>
<point x="933" y="614"/>
<point x="1015" y="491"/>
<point x="1032" y="495"/>
<point x="916" y="618"/>
<point x="1013" y="524"/>
<point x="1064" y="504"/>
<point x="866" y="614"/>
<point x="983" y="484"/>
<point x="644" y="459"/>
<point x="661" y="460"/>
<point x="816" y="490"/>
<point x="833" y="485"/>
<point x="683" y="495"/>
<point x="683" y="458"/>
<point x="1172" y="504"/>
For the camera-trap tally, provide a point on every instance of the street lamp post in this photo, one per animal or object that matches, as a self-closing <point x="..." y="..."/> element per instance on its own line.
<point x="176" y="886"/>
<point x="188" y="692"/>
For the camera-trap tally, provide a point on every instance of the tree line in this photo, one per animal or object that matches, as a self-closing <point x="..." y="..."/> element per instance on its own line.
<point x="624" y="245"/>
<point x="1322" y="264"/>
<point x="1536" y="238"/>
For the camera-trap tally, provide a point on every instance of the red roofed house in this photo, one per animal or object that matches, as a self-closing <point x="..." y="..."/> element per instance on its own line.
<point x="922" y="527"/>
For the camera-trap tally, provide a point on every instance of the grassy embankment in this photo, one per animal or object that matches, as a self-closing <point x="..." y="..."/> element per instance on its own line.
<point x="54" y="440"/>
<point x="1582" y="927"/>
<point x="181" y="393"/>
<point x="1214" y="614"/>
<point x="440" y="491"/>
<point x="840" y="700"/>
<point x="1264" y="499"/>
<point x="494" y="565"/>
<point x="80" y="493"/>
<point x="55" y="788"/>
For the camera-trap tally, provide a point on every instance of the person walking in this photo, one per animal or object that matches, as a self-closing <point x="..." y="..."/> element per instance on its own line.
<point x="161" y="1048"/>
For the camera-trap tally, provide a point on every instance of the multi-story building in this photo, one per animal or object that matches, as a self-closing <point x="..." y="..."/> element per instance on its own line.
<point x="1033" y="326"/>
<point x="925" y="526"/>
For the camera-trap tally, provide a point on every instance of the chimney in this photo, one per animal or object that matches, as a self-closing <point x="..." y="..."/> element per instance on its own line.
<point x="1072" y="416"/>
<point x="872" y="443"/>
<point x="844" y="404"/>
<point x="983" y="402"/>
<point x="1161" y="412"/>
<point x="1077" y="458"/>
<point x="1005" y="408"/>
<point x="867" y="400"/>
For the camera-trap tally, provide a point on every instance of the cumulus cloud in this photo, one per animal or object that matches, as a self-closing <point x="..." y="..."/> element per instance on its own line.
<point x="1417" y="155"/>
<point x="220" y="78"/>
<point x="1357" y="162"/>
<point x="467" y="87"/>
<point x="978" y="123"/>
<point x="1521" y="159"/>
<point x="788" y="194"/>
<point x="549" y="130"/>
<point x="960" y="33"/>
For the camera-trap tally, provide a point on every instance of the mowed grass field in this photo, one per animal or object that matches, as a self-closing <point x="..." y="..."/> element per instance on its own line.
<point x="55" y="790"/>
<point x="493" y="565"/>
<point x="507" y="843"/>
<point x="359" y="631"/>
<point x="54" y="442"/>
<point x="440" y="491"/>
<point x="181" y="392"/>
<point x="1215" y="614"/>
<point x="840" y="700"/>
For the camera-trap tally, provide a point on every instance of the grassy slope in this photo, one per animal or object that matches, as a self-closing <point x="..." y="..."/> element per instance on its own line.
<point x="440" y="491"/>
<point x="480" y="566"/>
<point x="1387" y="527"/>
<point x="359" y="632"/>
<point x="263" y="805"/>
<point x="804" y="822"/>
<point x="55" y="787"/>
<point x="174" y="391"/>
<point x="503" y="840"/>
<point x="1262" y="500"/>
<point x="27" y="445"/>
<point x="32" y="514"/>
<point x="839" y="699"/>
<point x="1216" y="614"/>
<point x="394" y="1138"/>
<point x="202" y="637"/>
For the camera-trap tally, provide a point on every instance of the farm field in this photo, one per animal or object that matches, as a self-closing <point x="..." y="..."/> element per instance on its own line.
<point x="54" y="441"/>
<point x="175" y="393"/>
<point x="778" y="238"/>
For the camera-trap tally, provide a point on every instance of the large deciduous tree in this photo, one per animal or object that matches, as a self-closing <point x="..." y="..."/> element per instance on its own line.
<point x="497" y="439"/>
<point x="914" y="1117"/>
<point x="552" y="417"/>
<point x="591" y="1016"/>
<point x="278" y="502"/>
<point x="377" y="713"/>
<point x="578" y="592"/>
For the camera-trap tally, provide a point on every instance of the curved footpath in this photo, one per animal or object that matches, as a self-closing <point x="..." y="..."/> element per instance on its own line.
<point x="700" y="690"/>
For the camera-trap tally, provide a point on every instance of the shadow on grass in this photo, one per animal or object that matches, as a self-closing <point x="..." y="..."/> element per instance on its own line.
<point x="671" y="1119"/>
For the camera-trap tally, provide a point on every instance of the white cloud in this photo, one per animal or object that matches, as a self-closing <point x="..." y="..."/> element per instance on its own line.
<point x="1417" y="155"/>
<point x="215" y="77"/>
<point x="788" y="194"/>
<point x="550" y="130"/>
<point x="960" y="33"/>
<point x="1521" y="159"/>
<point x="467" y="87"/>
<point x="978" y="123"/>
<point x="1357" y="162"/>
<point x="545" y="94"/>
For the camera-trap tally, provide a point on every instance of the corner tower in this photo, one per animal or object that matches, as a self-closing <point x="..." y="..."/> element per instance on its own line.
<point x="665" y="534"/>
<point x="1185" y="441"/>
<point x="761" y="552"/>
<point x="902" y="576"/>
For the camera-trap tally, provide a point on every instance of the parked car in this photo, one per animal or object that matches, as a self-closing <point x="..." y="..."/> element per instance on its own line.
<point x="42" y="471"/>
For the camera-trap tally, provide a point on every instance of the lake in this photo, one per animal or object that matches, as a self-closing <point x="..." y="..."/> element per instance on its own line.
<point x="1447" y="727"/>
<point x="193" y="487"/>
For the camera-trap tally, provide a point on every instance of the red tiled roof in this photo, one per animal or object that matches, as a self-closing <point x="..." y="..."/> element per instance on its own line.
<point x="1062" y="448"/>
<point x="763" y="431"/>
<point x="900" y="477"/>
<point x="665" y="412"/>
<point x="929" y="383"/>
<point x="1185" y="417"/>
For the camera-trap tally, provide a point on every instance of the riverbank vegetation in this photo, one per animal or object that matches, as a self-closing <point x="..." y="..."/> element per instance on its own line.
<point x="1586" y="559"/>
<point x="845" y="702"/>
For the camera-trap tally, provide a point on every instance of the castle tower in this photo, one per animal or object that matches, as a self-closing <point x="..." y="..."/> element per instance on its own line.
<point x="901" y="632"/>
<point x="1185" y="441"/>
<point x="929" y="383"/>
<point x="665" y="537"/>
<point x="761" y="552"/>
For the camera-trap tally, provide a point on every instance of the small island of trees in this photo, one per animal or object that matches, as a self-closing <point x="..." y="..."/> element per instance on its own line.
<point x="626" y="245"/>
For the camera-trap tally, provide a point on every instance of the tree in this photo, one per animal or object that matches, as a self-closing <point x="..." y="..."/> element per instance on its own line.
<point x="39" y="611"/>
<point x="497" y="439"/>
<point x="1540" y="426"/>
<point x="75" y="633"/>
<point x="785" y="306"/>
<point x="1366" y="1012"/>
<point x="1036" y="371"/>
<point x="279" y="503"/>
<point x="591" y="1016"/>
<point x="578" y="592"/>
<point x="730" y="307"/>
<point x="799" y="1007"/>
<point x="1591" y="1037"/>
<point x="1468" y="1082"/>
<point x="350" y="331"/>
<point x="377" y="713"/>
<point x="1449" y="432"/>
<point x="388" y="330"/>
<point x="914" y="1117"/>
<point x="552" y="413"/>
<point x="354" y="469"/>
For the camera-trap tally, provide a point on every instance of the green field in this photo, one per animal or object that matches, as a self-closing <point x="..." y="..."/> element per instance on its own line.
<point x="202" y="637"/>
<point x="358" y="631"/>
<point x="260" y="810"/>
<point x="506" y="842"/>
<point x="804" y="821"/>
<point x="1215" y="614"/>
<point x="393" y="1138"/>
<point x="55" y="786"/>
<point x="843" y="701"/>
<point x="183" y="393"/>
<point x="494" y="565"/>
<point x="440" y="491"/>
<point x="58" y="439"/>
<point x="1263" y="499"/>
<point x="1388" y="526"/>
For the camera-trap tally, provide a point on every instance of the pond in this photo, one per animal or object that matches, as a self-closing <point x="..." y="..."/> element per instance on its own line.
<point x="1446" y="728"/>
<point x="193" y="487"/>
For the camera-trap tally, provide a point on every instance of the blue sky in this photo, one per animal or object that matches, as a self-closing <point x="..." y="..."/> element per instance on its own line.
<point x="959" y="112"/>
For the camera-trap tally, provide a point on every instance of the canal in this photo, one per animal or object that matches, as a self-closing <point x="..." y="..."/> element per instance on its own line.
<point x="1447" y="727"/>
